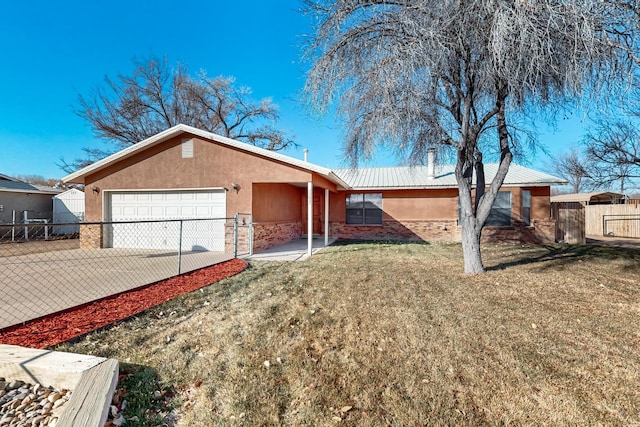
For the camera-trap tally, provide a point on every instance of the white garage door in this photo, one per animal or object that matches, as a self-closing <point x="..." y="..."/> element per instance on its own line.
<point x="203" y="235"/>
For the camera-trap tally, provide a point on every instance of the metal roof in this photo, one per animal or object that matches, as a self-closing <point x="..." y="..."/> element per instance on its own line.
<point x="599" y="196"/>
<point x="406" y="177"/>
<point x="361" y="178"/>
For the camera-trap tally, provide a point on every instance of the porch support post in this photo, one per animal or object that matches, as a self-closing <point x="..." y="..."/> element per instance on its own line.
<point x="326" y="216"/>
<point x="309" y="217"/>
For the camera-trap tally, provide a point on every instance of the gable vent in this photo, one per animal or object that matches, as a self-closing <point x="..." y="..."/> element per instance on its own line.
<point x="187" y="148"/>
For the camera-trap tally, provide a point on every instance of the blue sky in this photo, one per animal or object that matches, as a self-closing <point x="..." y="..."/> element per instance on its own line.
<point x="53" y="51"/>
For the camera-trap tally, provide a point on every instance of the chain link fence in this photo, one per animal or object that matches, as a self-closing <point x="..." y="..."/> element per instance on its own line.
<point x="45" y="271"/>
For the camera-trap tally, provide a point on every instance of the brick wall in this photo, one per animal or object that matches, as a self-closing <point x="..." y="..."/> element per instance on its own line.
<point x="243" y="238"/>
<point x="543" y="231"/>
<point x="269" y="234"/>
<point x="546" y="229"/>
<point x="90" y="236"/>
<point x="443" y="230"/>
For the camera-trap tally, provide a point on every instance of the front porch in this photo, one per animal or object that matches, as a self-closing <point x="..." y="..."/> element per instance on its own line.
<point x="284" y="212"/>
<point x="294" y="250"/>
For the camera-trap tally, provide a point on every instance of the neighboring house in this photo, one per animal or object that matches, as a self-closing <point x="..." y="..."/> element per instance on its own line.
<point x="185" y="172"/>
<point x="19" y="196"/>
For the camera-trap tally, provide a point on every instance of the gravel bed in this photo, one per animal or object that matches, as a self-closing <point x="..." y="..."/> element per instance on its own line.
<point x="28" y="405"/>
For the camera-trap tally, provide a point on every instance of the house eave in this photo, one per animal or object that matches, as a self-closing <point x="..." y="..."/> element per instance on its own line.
<point x="445" y="186"/>
<point x="17" y="190"/>
<point x="79" y="176"/>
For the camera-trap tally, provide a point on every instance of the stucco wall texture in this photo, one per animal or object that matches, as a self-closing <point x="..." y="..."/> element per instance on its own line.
<point x="212" y="166"/>
<point x="275" y="194"/>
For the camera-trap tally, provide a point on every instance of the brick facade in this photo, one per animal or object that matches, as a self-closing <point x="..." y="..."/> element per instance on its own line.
<point x="442" y="230"/>
<point x="91" y="236"/>
<point x="542" y="231"/>
<point x="269" y="234"/>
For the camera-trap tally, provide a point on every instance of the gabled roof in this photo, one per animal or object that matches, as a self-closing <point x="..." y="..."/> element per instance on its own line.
<point x="416" y="177"/>
<point x="599" y="197"/>
<point x="72" y="191"/>
<point x="361" y="178"/>
<point x="7" y="178"/>
<point x="12" y="185"/>
<point x="78" y="176"/>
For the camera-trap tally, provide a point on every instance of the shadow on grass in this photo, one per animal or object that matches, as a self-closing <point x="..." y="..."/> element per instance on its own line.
<point x="561" y="255"/>
<point x="149" y="400"/>
<point x="346" y="242"/>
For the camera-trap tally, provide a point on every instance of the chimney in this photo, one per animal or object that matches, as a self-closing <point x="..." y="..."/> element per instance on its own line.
<point x="431" y="163"/>
<point x="306" y="154"/>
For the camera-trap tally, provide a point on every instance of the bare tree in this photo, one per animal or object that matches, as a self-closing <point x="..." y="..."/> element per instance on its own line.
<point x="418" y="73"/>
<point x="40" y="180"/>
<point x="614" y="145"/>
<point x="158" y="96"/>
<point x="576" y="169"/>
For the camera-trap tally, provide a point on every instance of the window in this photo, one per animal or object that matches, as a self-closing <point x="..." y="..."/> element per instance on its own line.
<point x="364" y="209"/>
<point x="526" y="207"/>
<point x="500" y="214"/>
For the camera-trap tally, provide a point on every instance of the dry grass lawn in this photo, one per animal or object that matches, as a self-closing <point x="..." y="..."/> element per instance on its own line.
<point x="396" y="335"/>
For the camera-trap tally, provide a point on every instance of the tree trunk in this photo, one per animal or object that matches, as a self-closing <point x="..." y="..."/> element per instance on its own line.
<point x="471" y="246"/>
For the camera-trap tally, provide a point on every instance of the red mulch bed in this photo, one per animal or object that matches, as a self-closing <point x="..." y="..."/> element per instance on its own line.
<point x="62" y="326"/>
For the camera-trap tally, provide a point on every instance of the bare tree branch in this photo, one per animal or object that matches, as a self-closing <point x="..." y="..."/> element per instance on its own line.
<point x="158" y="96"/>
<point x="613" y="146"/>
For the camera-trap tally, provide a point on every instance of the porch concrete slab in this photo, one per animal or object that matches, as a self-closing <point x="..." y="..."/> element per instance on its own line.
<point x="295" y="250"/>
<point x="35" y="285"/>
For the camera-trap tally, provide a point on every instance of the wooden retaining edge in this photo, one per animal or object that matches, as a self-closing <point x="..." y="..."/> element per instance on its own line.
<point x="90" y="401"/>
<point x="91" y="379"/>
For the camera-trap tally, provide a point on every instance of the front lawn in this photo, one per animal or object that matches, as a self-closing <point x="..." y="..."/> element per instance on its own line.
<point x="373" y="334"/>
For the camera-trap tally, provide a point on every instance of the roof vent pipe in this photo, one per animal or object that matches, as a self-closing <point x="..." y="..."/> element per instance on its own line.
<point x="306" y="154"/>
<point x="431" y="163"/>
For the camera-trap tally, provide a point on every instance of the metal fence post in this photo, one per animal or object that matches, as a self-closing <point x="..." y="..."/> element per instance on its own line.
<point x="250" y="234"/>
<point x="25" y="216"/>
<point x="180" y="248"/>
<point x="235" y="235"/>
<point x="13" y="226"/>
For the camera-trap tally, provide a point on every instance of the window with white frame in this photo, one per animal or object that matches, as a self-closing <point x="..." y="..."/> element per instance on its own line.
<point x="364" y="209"/>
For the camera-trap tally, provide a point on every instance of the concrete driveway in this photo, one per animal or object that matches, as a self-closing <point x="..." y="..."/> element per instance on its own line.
<point x="34" y="285"/>
<point x="620" y="242"/>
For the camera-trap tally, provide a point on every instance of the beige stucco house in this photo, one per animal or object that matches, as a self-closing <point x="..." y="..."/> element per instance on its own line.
<point x="185" y="172"/>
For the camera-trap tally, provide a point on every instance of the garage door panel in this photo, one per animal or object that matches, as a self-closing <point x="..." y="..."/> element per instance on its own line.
<point x="163" y="205"/>
<point x="202" y="211"/>
<point x="172" y="212"/>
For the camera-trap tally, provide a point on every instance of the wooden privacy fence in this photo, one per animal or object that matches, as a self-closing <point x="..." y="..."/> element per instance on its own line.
<point x="570" y="222"/>
<point x="613" y="220"/>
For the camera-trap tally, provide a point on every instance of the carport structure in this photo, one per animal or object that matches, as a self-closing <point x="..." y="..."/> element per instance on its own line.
<point x="35" y="285"/>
